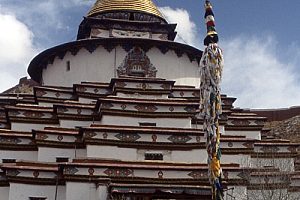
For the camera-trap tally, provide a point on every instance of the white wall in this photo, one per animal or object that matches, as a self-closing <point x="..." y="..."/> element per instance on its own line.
<point x="46" y="154"/>
<point x="4" y="193"/>
<point x="100" y="66"/>
<point x="81" y="191"/>
<point x="19" y="191"/>
<point x="248" y="134"/>
<point x="134" y="121"/>
<point x="133" y="154"/>
<point x="16" y="126"/>
<point x="18" y="155"/>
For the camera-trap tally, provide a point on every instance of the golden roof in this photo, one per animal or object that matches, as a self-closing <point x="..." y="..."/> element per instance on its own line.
<point x="137" y="5"/>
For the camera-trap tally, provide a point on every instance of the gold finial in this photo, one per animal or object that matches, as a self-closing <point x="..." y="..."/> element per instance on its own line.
<point x="136" y="5"/>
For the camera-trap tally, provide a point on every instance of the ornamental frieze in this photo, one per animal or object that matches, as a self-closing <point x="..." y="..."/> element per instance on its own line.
<point x="41" y="136"/>
<point x="89" y="134"/>
<point x="136" y="63"/>
<point x="179" y="138"/>
<point x="128" y="137"/>
<point x="146" y="108"/>
<point x="269" y="149"/>
<point x="7" y="140"/>
<point x="198" y="174"/>
<point x="190" y="109"/>
<point x="241" y="122"/>
<point x="144" y="86"/>
<point x="118" y="172"/>
<point x="70" y="170"/>
<point x="106" y="105"/>
<point x="40" y="93"/>
<point x="33" y="114"/>
<point x="248" y="144"/>
<point x="12" y="172"/>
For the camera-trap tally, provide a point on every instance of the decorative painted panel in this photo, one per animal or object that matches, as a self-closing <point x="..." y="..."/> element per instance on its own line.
<point x="89" y="134"/>
<point x="12" y="172"/>
<point x="40" y="93"/>
<point x="7" y="140"/>
<point x="179" y="138"/>
<point x="248" y="144"/>
<point x="190" y="109"/>
<point x="118" y="172"/>
<point x="128" y="137"/>
<point x="146" y="108"/>
<point x="41" y="136"/>
<point x="33" y="114"/>
<point x="70" y="170"/>
<point x="144" y="86"/>
<point x="137" y="63"/>
<point x="241" y="122"/>
<point x="269" y="149"/>
<point x="107" y="105"/>
<point x="197" y="174"/>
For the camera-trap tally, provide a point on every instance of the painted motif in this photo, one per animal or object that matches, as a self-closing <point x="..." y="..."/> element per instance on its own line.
<point x="70" y="170"/>
<point x="128" y="137"/>
<point x="136" y="63"/>
<point x="179" y="138"/>
<point x="197" y="174"/>
<point x="118" y="172"/>
<point x="146" y="108"/>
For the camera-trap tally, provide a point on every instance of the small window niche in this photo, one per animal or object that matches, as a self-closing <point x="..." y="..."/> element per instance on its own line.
<point x="62" y="159"/>
<point x="8" y="160"/>
<point x="37" y="198"/>
<point x="68" y="66"/>
<point x="150" y="124"/>
<point x="154" y="156"/>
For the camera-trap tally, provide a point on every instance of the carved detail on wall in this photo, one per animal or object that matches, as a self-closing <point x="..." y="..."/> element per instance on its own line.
<point x="7" y="140"/>
<point x="36" y="174"/>
<point x="144" y="86"/>
<point x="160" y="174"/>
<point x="14" y="113"/>
<point x="33" y="114"/>
<point x="89" y="134"/>
<point x="154" y="138"/>
<point x="166" y="86"/>
<point x="91" y="171"/>
<point x="179" y="138"/>
<point x="259" y="122"/>
<point x="106" y="105"/>
<point x="91" y="47"/>
<point x="190" y="109"/>
<point x="62" y="110"/>
<point x="40" y="93"/>
<point x="248" y="144"/>
<point x="241" y="122"/>
<point x="120" y="84"/>
<point x="41" y="136"/>
<point x="70" y="170"/>
<point x="269" y="149"/>
<point x="137" y="63"/>
<point x="128" y="137"/>
<point x="118" y="172"/>
<point x="81" y="89"/>
<point x="12" y="172"/>
<point x="197" y="174"/>
<point x="145" y="108"/>
<point x="292" y="149"/>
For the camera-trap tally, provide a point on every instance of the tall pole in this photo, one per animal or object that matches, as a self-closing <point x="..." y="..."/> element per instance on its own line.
<point x="211" y="66"/>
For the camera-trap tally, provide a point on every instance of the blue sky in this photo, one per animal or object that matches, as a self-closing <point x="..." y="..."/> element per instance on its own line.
<point x="260" y="39"/>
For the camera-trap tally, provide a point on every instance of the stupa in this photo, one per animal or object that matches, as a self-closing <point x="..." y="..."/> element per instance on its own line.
<point x="112" y="115"/>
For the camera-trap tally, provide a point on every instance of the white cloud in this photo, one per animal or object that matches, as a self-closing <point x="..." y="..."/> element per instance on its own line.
<point x="253" y="71"/>
<point x="256" y="76"/>
<point x="16" y="50"/>
<point x="186" y="28"/>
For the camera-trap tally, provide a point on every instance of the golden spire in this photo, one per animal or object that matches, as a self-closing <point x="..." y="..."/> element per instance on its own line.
<point x="136" y="5"/>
